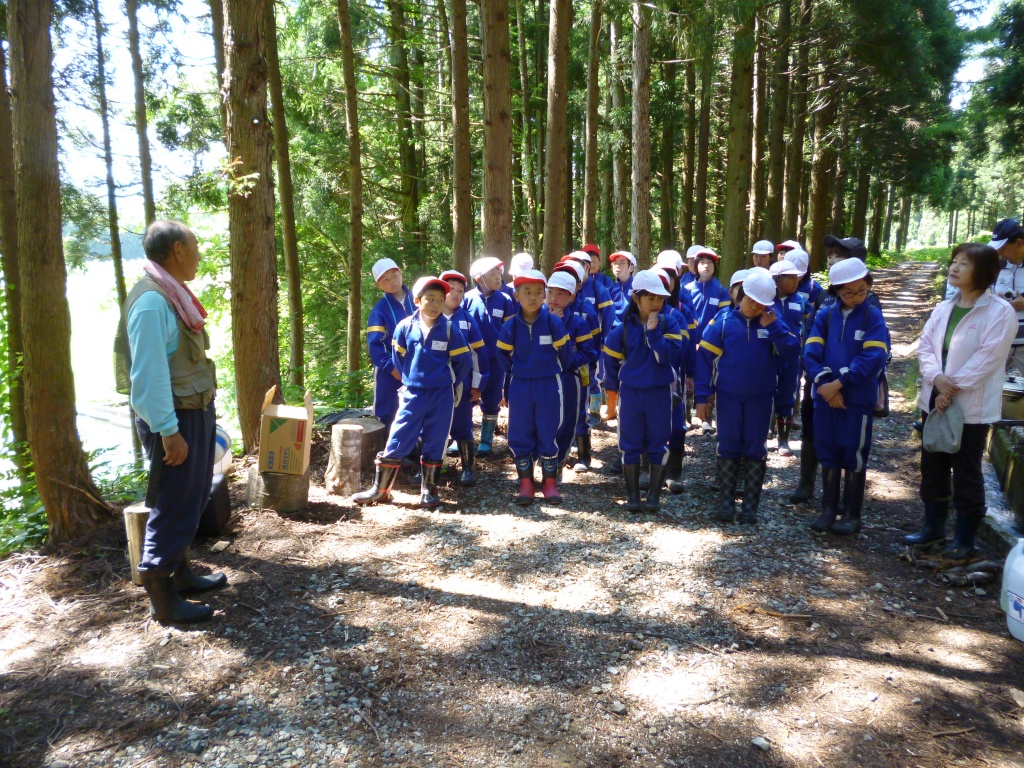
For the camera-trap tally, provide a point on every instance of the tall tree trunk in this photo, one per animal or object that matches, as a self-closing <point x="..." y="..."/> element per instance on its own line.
<point x="444" y="98"/>
<point x="779" y="110"/>
<point x="217" y="22"/>
<point x="419" y="124"/>
<point x="72" y="502"/>
<point x="11" y="264"/>
<point x="861" y="196"/>
<point x="406" y="139"/>
<point x="759" y="180"/>
<point x="700" y="191"/>
<point x="842" y="174"/>
<point x="607" y="182"/>
<point x="795" y="154"/>
<point x="527" y="122"/>
<point x="877" y="215"/>
<point x="556" y="178"/>
<point x="738" y="162"/>
<point x="355" y="184"/>
<point x="667" y="161"/>
<point x="590" y="183"/>
<point x="904" y="228"/>
<point x="251" y="213"/>
<point x="462" y="184"/>
<point x="823" y="169"/>
<point x="293" y="273"/>
<point x="497" y="129"/>
<point x="640" y="218"/>
<point x="567" y="223"/>
<point x="620" y="143"/>
<point x="141" y="128"/>
<point x="689" y="154"/>
<point x="890" y="213"/>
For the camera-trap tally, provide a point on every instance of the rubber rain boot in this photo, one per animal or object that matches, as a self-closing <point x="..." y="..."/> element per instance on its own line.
<point x="653" y="502"/>
<point x="728" y="475"/>
<point x="386" y="470"/>
<point x="808" y="472"/>
<point x="853" y="503"/>
<point x="594" y="411"/>
<point x="831" y="488"/>
<point x="964" y="531"/>
<point x="526" y="490"/>
<point x="582" y="453"/>
<point x="467" y="454"/>
<point x="164" y="603"/>
<point x="784" y="426"/>
<point x="611" y="406"/>
<point x="188" y="582"/>
<point x="934" y="530"/>
<point x="453" y="449"/>
<point x="753" y="472"/>
<point x="631" y="474"/>
<point x="549" y="483"/>
<point x="674" y="472"/>
<point x="486" y="435"/>
<point x="428" y="485"/>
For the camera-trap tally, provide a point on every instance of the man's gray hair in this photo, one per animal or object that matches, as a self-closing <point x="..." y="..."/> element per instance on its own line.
<point x="160" y="239"/>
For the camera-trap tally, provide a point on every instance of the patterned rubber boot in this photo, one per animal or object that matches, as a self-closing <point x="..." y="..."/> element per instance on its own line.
<point x="853" y="503"/>
<point x="526" y="489"/>
<point x="753" y="472"/>
<point x="549" y="484"/>
<point x="728" y="476"/>
<point x="386" y="470"/>
<point x="831" y="488"/>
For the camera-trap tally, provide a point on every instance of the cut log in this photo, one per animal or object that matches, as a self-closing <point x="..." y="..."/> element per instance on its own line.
<point x="279" y="492"/>
<point x="374" y="438"/>
<point x="345" y="463"/>
<point x="135" y="518"/>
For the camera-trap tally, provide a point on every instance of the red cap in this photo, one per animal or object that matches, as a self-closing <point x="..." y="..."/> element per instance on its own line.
<point x="429" y="282"/>
<point x="452" y="274"/>
<point x="529" y="276"/>
<point x="561" y="267"/>
<point x="592" y="249"/>
<point x="707" y="252"/>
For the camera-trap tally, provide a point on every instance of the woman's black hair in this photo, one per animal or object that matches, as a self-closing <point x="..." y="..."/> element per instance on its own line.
<point x="985" y="260"/>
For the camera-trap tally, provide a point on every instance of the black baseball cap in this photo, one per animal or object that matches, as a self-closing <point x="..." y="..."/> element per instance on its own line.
<point x="1004" y="231"/>
<point x="853" y="245"/>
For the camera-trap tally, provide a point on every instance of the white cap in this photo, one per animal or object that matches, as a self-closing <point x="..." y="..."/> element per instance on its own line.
<point x="381" y="266"/>
<point x="790" y="244"/>
<point x="798" y="258"/>
<point x="580" y="256"/>
<point x="486" y="264"/>
<point x="520" y="262"/>
<point x="759" y="285"/>
<point x="738" y="277"/>
<point x="429" y="282"/>
<point x="529" y="276"/>
<point x="575" y="266"/>
<point x="670" y="258"/>
<point x="649" y="280"/>
<point x="784" y="267"/>
<point x="763" y="247"/>
<point x="623" y="255"/>
<point x="562" y="280"/>
<point x="847" y="271"/>
<point x="693" y="250"/>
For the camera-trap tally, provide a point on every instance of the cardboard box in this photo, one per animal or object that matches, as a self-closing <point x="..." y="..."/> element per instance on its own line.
<point x="285" y="436"/>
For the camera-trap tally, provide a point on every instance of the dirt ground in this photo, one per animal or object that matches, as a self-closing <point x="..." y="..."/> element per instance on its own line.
<point x="492" y="635"/>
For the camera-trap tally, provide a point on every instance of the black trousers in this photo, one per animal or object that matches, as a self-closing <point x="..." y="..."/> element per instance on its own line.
<point x="963" y="467"/>
<point x="181" y="492"/>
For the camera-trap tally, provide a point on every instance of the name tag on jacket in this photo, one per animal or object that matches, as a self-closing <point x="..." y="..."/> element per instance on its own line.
<point x="498" y="312"/>
<point x="544" y="339"/>
<point x="439" y="346"/>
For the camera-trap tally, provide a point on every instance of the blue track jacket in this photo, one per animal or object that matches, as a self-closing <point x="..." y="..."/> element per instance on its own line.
<point x="641" y="358"/>
<point x="385" y="316"/>
<point x="853" y="349"/>
<point x="490" y="313"/>
<point x="707" y="299"/>
<point x="534" y="350"/>
<point x="439" y="358"/>
<point x="471" y="330"/>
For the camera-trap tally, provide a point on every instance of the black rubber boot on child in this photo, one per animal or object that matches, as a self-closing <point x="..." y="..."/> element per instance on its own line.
<point x="653" y="502"/>
<point x="831" y="488"/>
<point x="753" y="473"/>
<point x="428" y="486"/>
<point x="582" y="453"/>
<point x="631" y="473"/>
<point x="384" y="480"/>
<point x="188" y="582"/>
<point x="934" y="530"/>
<point x="784" y="425"/>
<point x="674" y="472"/>
<point x="728" y="476"/>
<point x="164" y="603"/>
<point x="808" y="471"/>
<point x="467" y="454"/>
<point x="853" y="503"/>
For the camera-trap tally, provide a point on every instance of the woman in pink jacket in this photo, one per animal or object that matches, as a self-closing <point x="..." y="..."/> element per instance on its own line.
<point x="962" y="356"/>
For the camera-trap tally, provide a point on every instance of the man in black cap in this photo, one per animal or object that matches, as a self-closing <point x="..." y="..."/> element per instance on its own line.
<point x="1008" y="240"/>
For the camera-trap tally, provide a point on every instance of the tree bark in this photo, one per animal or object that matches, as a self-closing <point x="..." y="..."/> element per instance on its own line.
<point x="700" y="191"/>
<point x="406" y="140"/>
<point x="689" y="154"/>
<point x="567" y="222"/>
<point x="842" y="174"/>
<point x="620" y="142"/>
<point x="777" y="127"/>
<point x="738" y="162"/>
<point x="141" y="127"/>
<point x="667" y="159"/>
<point x="795" y="154"/>
<point x="289" y="237"/>
<point x="558" y="91"/>
<point x="823" y="169"/>
<point x="877" y="214"/>
<point x="527" y="121"/>
<point x="590" y="184"/>
<point x="9" y="251"/>
<point x="861" y="195"/>
<point x="497" y="72"/>
<point x="889" y="216"/>
<point x="758" y="180"/>
<point x="640" y="218"/>
<point x="355" y="187"/>
<point x="217" y="22"/>
<point x="904" y="228"/>
<point x="462" y="183"/>
<point x="72" y="502"/>
<point x="251" y="213"/>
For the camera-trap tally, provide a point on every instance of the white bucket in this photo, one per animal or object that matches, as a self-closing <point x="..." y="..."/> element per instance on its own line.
<point x="1011" y="599"/>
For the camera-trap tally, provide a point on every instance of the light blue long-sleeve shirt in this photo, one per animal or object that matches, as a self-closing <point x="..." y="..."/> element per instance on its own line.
<point x="153" y="336"/>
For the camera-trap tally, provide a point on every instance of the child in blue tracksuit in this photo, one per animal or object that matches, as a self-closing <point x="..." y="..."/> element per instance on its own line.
<point x="685" y="367"/>
<point x="641" y="355"/>
<point x="707" y="294"/>
<point x="736" y="364"/>
<point x="432" y="357"/>
<point x="623" y="266"/>
<point x="462" y="420"/>
<point x="491" y="307"/>
<point x="561" y="296"/>
<point x="794" y="311"/>
<point x="534" y="349"/>
<point x="594" y="293"/>
<point x="844" y="357"/>
<point x="394" y="306"/>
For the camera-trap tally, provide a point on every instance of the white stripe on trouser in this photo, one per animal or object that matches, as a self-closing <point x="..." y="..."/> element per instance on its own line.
<point x="664" y="455"/>
<point x="618" y="427"/>
<point x="561" y="404"/>
<point x="863" y="439"/>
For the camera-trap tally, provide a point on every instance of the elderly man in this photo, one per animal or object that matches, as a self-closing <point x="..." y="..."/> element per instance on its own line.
<point x="173" y="385"/>
<point x="1008" y="240"/>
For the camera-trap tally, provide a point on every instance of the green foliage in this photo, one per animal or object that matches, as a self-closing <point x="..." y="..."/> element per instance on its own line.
<point x="888" y="259"/>
<point x="85" y="223"/>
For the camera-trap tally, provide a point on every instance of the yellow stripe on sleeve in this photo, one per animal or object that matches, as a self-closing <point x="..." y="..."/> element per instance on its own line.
<point x="606" y="304"/>
<point x="377" y="328"/>
<point x="710" y="347"/>
<point x="674" y="336"/>
<point x="686" y="335"/>
<point x="477" y="344"/>
<point x="581" y="339"/>
<point x="562" y="341"/>
<point x="505" y="346"/>
<point x="876" y="344"/>
<point x="507" y="318"/>
<point x="692" y="326"/>
<point x="401" y="351"/>
<point x="459" y="351"/>
<point x="815" y="340"/>
<point x="613" y="353"/>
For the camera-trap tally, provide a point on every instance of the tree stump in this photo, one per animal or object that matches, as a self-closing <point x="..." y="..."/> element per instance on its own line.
<point x="135" y="518"/>
<point x="279" y="492"/>
<point x="345" y="463"/>
<point x="374" y="438"/>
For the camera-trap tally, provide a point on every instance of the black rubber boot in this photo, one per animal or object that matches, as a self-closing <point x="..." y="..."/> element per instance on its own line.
<point x="582" y="453"/>
<point x="188" y="582"/>
<point x="467" y="453"/>
<point x="853" y="503"/>
<point x="653" y="501"/>
<point x="428" y="485"/>
<point x="753" y="473"/>
<point x="166" y="606"/>
<point x="728" y="476"/>
<point x="934" y="530"/>
<point x="965" y="529"/>
<point x="631" y="473"/>
<point x="741" y="479"/>
<point x="645" y="474"/>
<point x="524" y="467"/>
<point x="384" y="481"/>
<point x="614" y="467"/>
<point x="784" y="426"/>
<point x="831" y="489"/>
<point x="674" y="472"/>
<point x="808" y="471"/>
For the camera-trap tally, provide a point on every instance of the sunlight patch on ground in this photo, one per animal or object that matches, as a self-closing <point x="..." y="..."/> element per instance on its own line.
<point x="668" y="690"/>
<point x="671" y="545"/>
<point x="108" y="655"/>
<point x="11" y="658"/>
